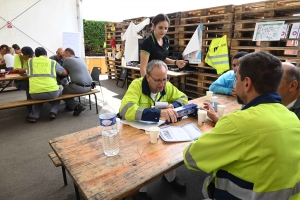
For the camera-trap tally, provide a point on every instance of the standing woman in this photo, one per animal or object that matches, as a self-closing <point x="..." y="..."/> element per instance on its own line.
<point x="156" y="46"/>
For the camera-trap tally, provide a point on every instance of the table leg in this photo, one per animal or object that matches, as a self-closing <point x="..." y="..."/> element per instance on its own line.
<point x="9" y="82"/>
<point x="76" y="192"/>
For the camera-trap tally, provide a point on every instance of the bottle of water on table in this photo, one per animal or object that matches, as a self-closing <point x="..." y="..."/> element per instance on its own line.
<point x="107" y="117"/>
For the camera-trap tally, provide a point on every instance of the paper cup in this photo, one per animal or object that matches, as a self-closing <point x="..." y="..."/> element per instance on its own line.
<point x="209" y="95"/>
<point x="220" y="110"/>
<point x="154" y="134"/>
<point x="201" y="117"/>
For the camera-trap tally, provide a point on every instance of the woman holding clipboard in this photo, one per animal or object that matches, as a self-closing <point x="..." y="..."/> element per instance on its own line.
<point x="156" y="46"/>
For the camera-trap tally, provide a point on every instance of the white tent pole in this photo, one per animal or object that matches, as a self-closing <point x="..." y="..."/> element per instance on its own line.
<point x="80" y="26"/>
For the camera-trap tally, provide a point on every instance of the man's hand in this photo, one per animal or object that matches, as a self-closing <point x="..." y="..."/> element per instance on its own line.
<point x="169" y="114"/>
<point x="233" y="92"/>
<point x="170" y="106"/>
<point x="211" y="113"/>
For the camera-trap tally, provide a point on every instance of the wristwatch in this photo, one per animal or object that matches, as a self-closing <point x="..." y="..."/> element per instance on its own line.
<point x="175" y="62"/>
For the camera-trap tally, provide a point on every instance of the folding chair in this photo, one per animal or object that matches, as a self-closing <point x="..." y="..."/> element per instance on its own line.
<point x="122" y="77"/>
<point x="96" y="79"/>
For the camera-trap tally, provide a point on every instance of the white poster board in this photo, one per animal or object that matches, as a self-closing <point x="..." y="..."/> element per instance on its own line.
<point x="268" y="31"/>
<point x="72" y="40"/>
<point x="193" y="50"/>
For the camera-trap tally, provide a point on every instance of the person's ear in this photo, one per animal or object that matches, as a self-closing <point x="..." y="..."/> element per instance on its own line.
<point x="247" y="84"/>
<point x="293" y="85"/>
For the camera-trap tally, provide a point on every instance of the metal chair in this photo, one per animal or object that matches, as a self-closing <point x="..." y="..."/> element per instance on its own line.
<point x="96" y="79"/>
<point x="122" y="77"/>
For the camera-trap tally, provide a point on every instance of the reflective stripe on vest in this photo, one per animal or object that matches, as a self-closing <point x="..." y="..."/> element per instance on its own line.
<point x="52" y="75"/>
<point x="242" y="193"/>
<point x="217" y="55"/>
<point x="228" y="185"/>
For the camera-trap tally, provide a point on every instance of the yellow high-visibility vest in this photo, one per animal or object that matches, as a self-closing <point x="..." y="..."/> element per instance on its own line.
<point x="217" y="55"/>
<point x="42" y="75"/>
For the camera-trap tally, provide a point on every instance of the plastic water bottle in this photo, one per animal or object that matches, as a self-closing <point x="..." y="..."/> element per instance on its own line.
<point x="107" y="117"/>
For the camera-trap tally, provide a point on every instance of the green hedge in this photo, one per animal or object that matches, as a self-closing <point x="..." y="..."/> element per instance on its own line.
<point x="94" y="37"/>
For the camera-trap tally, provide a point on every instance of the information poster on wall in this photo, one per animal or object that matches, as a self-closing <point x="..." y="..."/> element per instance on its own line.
<point x="72" y="40"/>
<point x="268" y="31"/>
<point x="193" y="50"/>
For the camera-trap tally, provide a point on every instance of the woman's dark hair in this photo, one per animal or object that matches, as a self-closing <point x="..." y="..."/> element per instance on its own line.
<point x="160" y="18"/>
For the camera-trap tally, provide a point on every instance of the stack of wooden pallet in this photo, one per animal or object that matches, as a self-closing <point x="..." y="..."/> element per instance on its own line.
<point x="173" y="32"/>
<point x="112" y="31"/>
<point x="217" y="22"/>
<point x="246" y="17"/>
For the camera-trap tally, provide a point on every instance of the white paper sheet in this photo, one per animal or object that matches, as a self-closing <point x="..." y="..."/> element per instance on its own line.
<point x="160" y="105"/>
<point x="144" y="125"/>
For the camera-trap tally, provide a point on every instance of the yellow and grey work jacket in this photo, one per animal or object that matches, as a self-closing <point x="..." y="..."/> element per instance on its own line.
<point x="253" y="153"/>
<point x="217" y="55"/>
<point x="42" y="75"/>
<point x="137" y="102"/>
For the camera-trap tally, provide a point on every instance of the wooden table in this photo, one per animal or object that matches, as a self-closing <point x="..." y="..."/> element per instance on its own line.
<point x="10" y="78"/>
<point x="138" y="163"/>
<point x="180" y="75"/>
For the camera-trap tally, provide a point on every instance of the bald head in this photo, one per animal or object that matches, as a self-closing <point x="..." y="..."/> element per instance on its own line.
<point x="59" y="53"/>
<point x="289" y="87"/>
<point x="291" y="73"/>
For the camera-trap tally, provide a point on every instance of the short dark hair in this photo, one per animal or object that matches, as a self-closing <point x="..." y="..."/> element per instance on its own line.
<point x="4" y="45"/>
<point x="264" y="69"/>
<point x="239" y="54"/>
<point x="16" y="47"/>
<point x="27" y="51"/>
<point x="70" y="51"/>
<point x="160" y="18"/>
<point x="40" y="51"/>
<point x="292" y="73"/>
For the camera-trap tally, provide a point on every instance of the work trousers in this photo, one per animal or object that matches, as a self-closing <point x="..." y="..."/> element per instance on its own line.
<point x="36" y="108"/>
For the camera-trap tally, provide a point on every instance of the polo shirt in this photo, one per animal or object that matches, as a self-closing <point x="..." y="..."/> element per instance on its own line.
<point x="155" y="51"/>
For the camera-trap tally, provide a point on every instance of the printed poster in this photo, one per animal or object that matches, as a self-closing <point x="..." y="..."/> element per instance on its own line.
<point x="268" y="31"/>
<point x="193" y="50"/>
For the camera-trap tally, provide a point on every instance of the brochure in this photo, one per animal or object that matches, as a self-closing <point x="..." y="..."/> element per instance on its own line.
<point x="187" y="132"/>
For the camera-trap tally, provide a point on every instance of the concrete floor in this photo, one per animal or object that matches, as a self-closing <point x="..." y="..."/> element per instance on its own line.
<point x="27" y="173"/>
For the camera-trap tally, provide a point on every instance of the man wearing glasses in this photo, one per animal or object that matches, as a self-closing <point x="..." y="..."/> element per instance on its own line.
<point x="225" y="83"/>
<point x="139" y="101"/>
<point x="140" y="98"/>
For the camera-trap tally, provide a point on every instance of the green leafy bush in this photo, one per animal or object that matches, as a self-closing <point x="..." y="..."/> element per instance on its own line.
<point x="94" y="37"/>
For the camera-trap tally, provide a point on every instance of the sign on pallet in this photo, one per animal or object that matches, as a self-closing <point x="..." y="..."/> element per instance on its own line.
<point x="268" y="31"/>
<point x="294" y="33"/>
<point x="193" y="50"/>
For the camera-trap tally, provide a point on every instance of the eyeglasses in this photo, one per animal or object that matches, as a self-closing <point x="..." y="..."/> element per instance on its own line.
<point x="158" y="81"/>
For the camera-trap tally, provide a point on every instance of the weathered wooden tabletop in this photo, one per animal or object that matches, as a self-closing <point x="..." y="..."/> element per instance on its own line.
<point x="138" y="163"/>
<point x="10" y="77"/>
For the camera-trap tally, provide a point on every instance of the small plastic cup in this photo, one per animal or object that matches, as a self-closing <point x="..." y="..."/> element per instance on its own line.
<point x="209" y="95"/>
<point x="154" y="134"/>
<point x="201" y="117"/>
<point x="220" y="110"/>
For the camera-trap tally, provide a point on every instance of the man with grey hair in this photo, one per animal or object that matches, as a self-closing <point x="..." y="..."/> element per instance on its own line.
<point x="140" y="98"/>
<point x="139" y="104"/>
<point x="289" y="88"/>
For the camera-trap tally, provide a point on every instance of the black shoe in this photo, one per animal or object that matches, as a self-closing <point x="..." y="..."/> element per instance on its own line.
<point x="67" y="108"/>
<point x="177" y="184"/>
<point x="142" y="196"/>
<point x="31" y="119"/>
<point x="52" y="115"/>
<point x="78" y="109"/>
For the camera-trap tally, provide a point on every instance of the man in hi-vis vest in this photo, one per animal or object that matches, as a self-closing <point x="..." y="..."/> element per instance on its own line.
<point x="42" y="82"/>
<point x="253" y="153"/>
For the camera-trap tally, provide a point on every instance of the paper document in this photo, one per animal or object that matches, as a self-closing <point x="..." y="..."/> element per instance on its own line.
<point x="187" y="132"/>
<point x="144" y="125"/>
<point x="160" y="105"/>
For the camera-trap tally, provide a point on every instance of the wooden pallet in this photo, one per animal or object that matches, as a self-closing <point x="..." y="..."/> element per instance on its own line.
<point x="266" y="6"/>
<point x="208" y="11"/>
<point x="220" y="18"/>
<point x="174" y="15"/>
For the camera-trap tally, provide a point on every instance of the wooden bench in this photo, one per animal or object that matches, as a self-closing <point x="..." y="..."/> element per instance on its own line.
<point x="36" y="101"/>
<point x="57" y="163"/>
